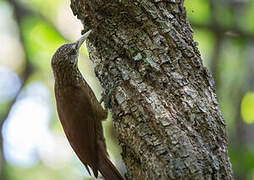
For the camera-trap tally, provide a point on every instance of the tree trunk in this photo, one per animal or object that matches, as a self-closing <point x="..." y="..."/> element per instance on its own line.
<point x="163" y="104"/>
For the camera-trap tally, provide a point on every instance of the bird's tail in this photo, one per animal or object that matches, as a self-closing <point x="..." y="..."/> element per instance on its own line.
<point x="107" y="169"/>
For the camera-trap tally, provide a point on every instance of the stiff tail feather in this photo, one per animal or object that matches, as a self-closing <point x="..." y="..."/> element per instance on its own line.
<point x="107" y="169"/>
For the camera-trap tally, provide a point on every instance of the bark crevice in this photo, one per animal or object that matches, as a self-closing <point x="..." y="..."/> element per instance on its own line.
<point x="164" y="105"/>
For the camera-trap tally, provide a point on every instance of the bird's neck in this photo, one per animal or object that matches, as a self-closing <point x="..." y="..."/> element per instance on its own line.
<point x="68" y="76"/>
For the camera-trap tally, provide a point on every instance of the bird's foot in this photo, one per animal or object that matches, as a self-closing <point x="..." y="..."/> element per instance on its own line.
<point x="108" y="97"/>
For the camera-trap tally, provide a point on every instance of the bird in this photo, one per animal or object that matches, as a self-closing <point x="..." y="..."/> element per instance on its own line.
<point x="79" y="111"/>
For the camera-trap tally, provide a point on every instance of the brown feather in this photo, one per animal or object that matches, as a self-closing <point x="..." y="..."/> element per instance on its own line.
<point x="79" y="127"/>
<point x="80" y="112"/>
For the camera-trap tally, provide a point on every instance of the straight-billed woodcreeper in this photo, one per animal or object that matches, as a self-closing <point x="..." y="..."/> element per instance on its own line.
<point x="80" y="112"/>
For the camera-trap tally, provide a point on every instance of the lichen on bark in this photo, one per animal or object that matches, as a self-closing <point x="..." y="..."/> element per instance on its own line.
<point x="164" y="105"/>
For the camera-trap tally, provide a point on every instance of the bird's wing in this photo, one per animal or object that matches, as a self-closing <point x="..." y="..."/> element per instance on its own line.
<point x="77" y="118"/>
<point x="99" y="112"/>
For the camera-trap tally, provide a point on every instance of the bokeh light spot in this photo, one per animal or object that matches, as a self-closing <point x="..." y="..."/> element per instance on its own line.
<point x="247" y="108"/>
<point x="9" y="84"/>
<point x="26" y="128"/>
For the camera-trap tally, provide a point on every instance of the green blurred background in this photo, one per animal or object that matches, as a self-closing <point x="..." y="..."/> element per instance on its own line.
<point x="32" y="143"/>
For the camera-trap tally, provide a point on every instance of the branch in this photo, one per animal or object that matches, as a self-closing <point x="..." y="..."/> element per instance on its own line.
<point x="220" y="30"/>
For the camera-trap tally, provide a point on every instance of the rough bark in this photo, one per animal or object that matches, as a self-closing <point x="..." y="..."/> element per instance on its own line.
<point x="164" y="105"/>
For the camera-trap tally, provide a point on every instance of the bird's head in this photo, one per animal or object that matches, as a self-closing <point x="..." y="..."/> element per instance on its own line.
<point x="67" y="54"/>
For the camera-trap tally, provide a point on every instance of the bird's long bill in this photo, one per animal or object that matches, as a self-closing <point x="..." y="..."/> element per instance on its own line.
<point x="82" y="39"/>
